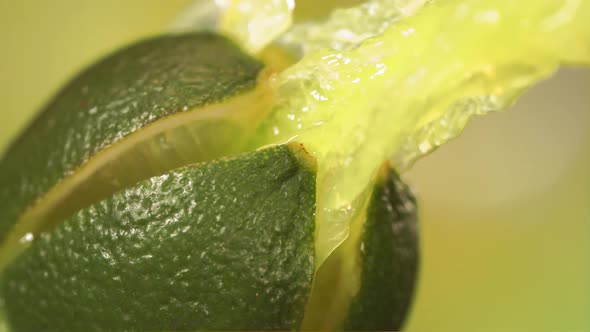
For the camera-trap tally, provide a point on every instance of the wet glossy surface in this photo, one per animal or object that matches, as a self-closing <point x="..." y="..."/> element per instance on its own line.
<point x="404" y="92"/>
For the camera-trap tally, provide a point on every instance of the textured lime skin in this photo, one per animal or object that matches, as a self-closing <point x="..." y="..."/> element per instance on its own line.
<point x="389" y="256"/>
<point x="113" y="98"/>
<point x="224" y="245"/>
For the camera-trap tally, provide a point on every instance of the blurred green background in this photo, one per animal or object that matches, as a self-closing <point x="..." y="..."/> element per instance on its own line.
<point x="505" y="208"/>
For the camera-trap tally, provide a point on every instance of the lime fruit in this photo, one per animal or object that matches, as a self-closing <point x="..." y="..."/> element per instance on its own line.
<point x="368" y="282"/>
<point x="388" y="258"/>
<point x="217" y="246"/>
<point x="153" y="106"/>
<point x="133" y="202"/>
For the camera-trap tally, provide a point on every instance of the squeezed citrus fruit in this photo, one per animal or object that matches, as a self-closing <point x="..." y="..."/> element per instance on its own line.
<point x="164" y="218"/>
<point x="151" y="107"/>
<point x="198" y="184"/>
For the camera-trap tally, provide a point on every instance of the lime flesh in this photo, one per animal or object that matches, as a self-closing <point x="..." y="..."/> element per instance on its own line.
<point x="395" y="79"/>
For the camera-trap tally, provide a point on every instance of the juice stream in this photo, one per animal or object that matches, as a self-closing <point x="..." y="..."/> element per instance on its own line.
<point x="394" y="79"/>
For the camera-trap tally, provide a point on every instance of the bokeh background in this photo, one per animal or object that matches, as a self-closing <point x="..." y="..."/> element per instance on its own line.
<point x="505" y="208"/>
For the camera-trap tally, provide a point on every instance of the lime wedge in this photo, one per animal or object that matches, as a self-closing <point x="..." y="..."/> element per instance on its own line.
<point x="225" y="245"/>
<point x="154" y="106"/>
<point x="368" y="282"/>
<point x="388" y="255"/>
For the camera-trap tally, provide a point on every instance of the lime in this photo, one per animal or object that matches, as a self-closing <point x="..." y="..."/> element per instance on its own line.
<point x="180" y="184"/>
<point x="223" y="245"/>
<point x="368" y="282"/>
<point x="134" y="203"/>
<point x="388" y="258"/>
<point x="153" y="106"/>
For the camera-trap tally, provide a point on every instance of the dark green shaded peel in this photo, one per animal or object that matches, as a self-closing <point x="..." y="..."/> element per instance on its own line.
<point x="224" y="245"/>
<point x="117" y="96"/>
<point x="388" y="258"/>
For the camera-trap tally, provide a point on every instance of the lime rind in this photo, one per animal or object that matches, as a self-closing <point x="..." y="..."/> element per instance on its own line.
<point x="216" y="246"/>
